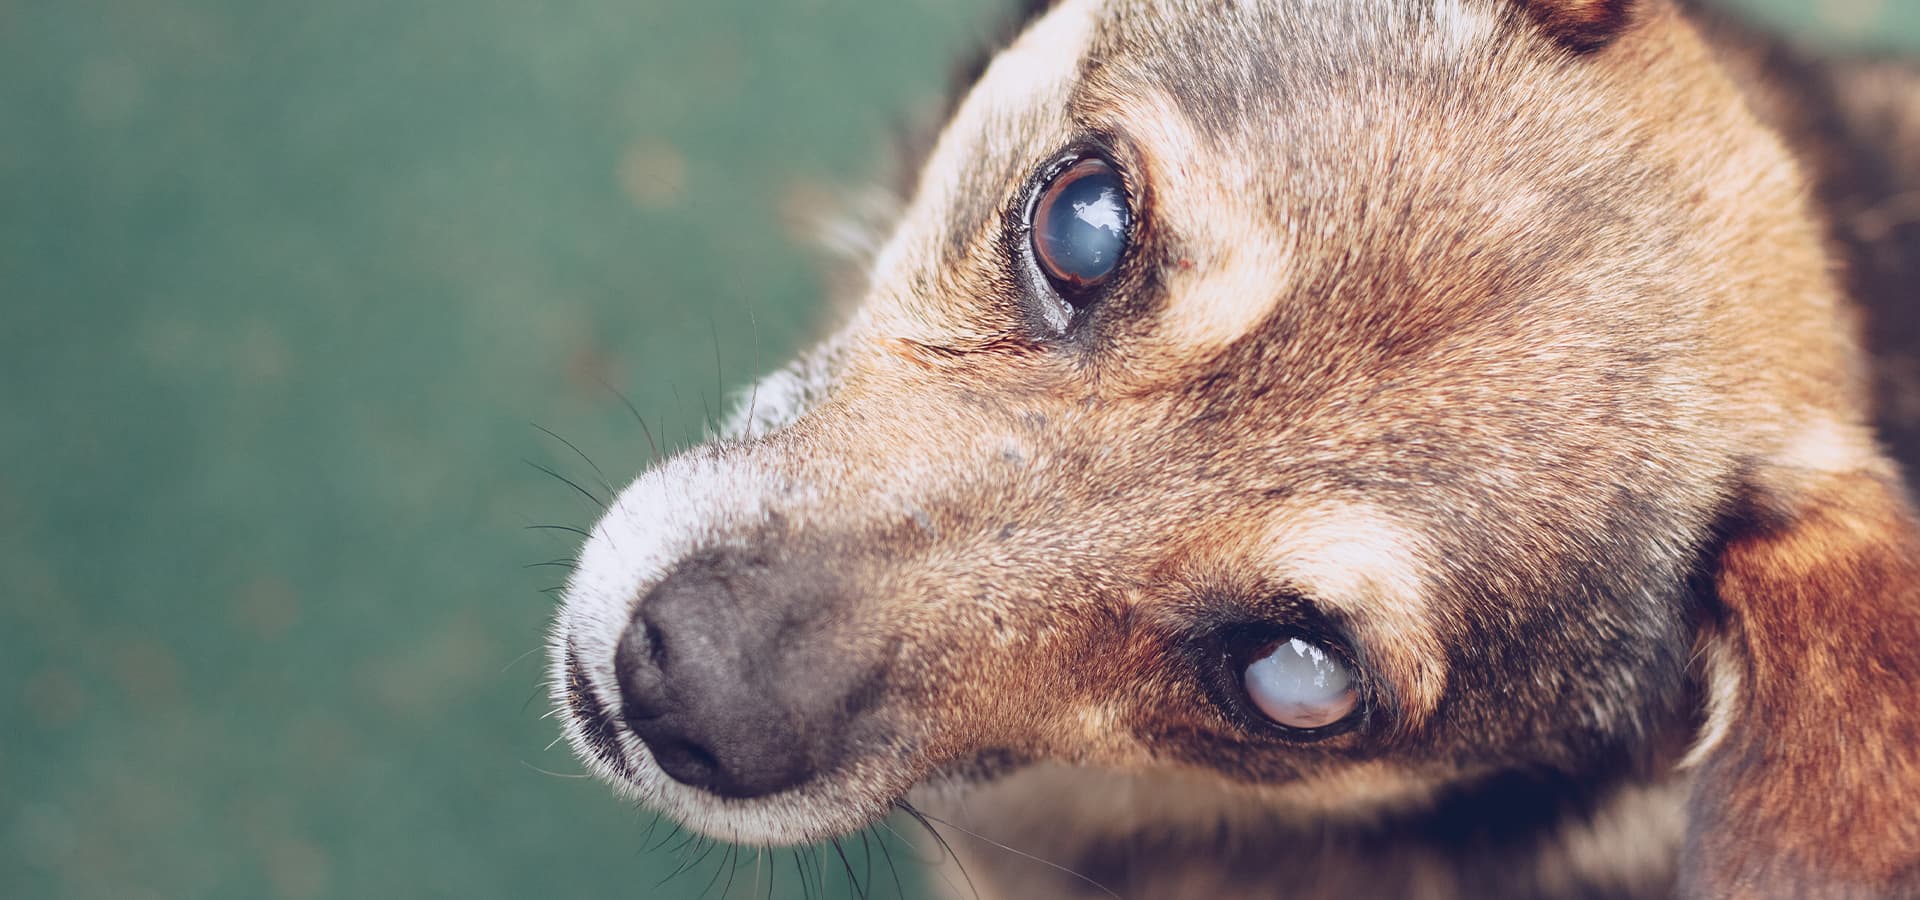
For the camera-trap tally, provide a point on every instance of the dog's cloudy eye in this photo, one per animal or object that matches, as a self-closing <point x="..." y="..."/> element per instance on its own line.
<point x="1081" y="225"/>
<point x="1301" y="685"/>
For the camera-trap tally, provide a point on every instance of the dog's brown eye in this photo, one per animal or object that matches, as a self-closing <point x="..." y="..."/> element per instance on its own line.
<point x="1301" y="685"/>
<point x="1080" y="227"/>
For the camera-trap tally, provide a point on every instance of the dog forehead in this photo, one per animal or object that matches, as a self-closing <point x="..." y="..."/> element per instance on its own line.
<point x="1374" y="169"/>
<point x="1287" y="136"/>
<point x="1230" y="61"/>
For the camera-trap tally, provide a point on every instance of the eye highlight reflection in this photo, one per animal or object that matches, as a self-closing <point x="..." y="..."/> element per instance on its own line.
<point x="1299" y="684"/>
<point x="1081" y="226"/>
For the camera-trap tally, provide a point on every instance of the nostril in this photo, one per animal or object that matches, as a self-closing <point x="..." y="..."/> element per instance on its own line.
<point x="729" y="764"/>
<point x="656" y="644"/>
<point x="686" y="761"/>
<point x="642" y="680"/>
<point x="636" y="714"/>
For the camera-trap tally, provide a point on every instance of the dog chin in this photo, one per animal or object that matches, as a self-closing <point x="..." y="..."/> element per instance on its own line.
<point x="811" y="813"/>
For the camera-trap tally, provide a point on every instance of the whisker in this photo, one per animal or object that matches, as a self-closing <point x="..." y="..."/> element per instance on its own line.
<point x="942" y="841"/>
<point x="728" y="864"/>
<point x="652" y="826"/>
<point x="1021" y="853"/>
<point x="711" y="845"/>
<point x="568" y="482"/>
<point x="894" y="869"/>
<point x="690" y="838"/>
<point x="517" y="659"/>
<point x="690" y="860"/>
<point x="679" y="404"/>
<point x="847" y="866"/>
<point x="577" y="452"/>
<point x="554" y="774"/>
<point x="913" y="852"/>
<point x="719" y="373"/>
<point x="675" y="832"/>
<point x="820" y="867"/>
<point x="806" y="887"/>
<point x="652" y="447"/>
<point x="759" y="858"/>
<point x="567" y="528"/>
<point x="817" y="859"/>
<point x="866" y="855"/>
<point x="820" y="872"/>
<point x="753" y="395"/>
<point x="538" y="689"/>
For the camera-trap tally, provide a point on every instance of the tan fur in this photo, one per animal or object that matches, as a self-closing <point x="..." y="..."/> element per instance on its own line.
<point x="1373" y="570"/>
<point x="1227" y="287"/>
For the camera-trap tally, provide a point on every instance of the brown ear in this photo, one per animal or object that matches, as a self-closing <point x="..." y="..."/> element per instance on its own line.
<point x="1809" y="783"/>
<point x="1580" y="24"/>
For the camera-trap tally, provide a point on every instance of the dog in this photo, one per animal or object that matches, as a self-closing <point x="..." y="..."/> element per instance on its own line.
<point x="1325" y="448"/>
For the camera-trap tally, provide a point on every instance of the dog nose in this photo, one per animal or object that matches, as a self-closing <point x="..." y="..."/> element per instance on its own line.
<point x="722" y="680"/>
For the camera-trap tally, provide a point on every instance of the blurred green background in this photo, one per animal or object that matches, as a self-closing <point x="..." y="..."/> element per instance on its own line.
<point x="282" y="286"/>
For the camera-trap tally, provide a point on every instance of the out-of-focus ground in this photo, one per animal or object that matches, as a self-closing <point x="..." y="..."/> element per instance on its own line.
<point x="282" y="286"/>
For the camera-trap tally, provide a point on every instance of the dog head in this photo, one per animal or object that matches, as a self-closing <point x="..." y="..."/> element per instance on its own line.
<point x="1371" y="394"/>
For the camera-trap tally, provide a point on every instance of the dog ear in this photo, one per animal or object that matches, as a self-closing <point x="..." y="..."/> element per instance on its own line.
<point x="1580" y="25"/>
<point x="1808" y="781"/>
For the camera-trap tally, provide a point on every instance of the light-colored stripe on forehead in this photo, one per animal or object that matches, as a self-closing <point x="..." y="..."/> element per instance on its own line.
<point x="1025" y="86"/>
<point x="1460" y="26"/>
<point x="1439" y="29"/>
<point x="1234" y="262"/>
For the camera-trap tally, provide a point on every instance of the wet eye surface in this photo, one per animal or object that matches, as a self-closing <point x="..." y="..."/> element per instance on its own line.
<point x="1299" y="684"/>
<point x="1080" y="227"/>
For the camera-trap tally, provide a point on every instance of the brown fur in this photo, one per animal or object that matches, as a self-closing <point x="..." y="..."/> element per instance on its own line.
<point x="1514" y="344"/>
<point x="1815" y="790"/>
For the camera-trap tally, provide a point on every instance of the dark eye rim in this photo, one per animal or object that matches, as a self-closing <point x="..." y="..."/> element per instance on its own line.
<point x="1066" y="307"/>
<point x="1234" y="647"/>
